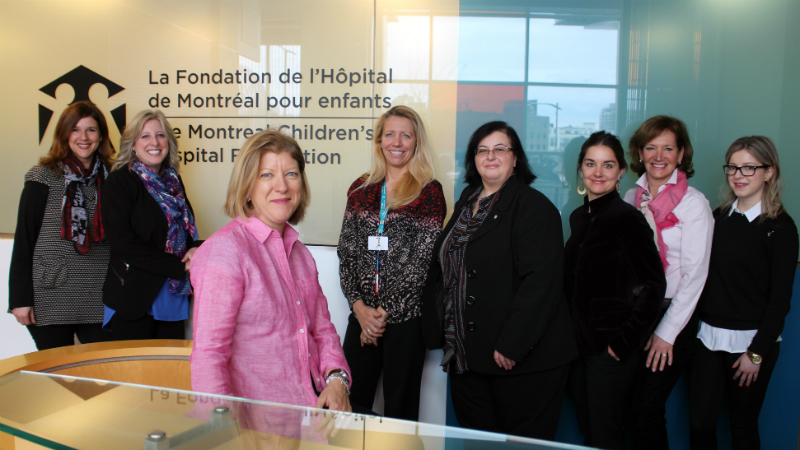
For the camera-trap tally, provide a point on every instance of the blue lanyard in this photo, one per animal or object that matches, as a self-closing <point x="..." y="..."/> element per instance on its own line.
<point x="384" y="213"/>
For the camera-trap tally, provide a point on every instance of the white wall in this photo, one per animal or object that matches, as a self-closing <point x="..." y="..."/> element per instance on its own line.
<point x="15" y="339"/>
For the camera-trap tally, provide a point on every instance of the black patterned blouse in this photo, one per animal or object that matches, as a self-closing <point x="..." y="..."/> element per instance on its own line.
<point x="412" y="231"/>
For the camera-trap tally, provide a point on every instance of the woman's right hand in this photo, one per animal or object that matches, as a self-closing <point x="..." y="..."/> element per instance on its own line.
<point x="372" y="321"/>
<point x="24" y="315"/>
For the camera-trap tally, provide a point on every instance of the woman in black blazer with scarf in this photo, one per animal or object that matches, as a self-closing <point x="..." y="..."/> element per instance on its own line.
<point x="615" y="286"/>
<point x="146" y="292"/>
<point x="493" y="295"/>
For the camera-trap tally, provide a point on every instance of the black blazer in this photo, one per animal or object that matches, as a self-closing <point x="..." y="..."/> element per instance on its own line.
<point x="136" y="228"/>
<point x="614" y="279"/>
<point x="515" y="264"/>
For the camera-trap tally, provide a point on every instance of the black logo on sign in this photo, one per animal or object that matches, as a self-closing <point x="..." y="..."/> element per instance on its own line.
<point x="81" y="79"/>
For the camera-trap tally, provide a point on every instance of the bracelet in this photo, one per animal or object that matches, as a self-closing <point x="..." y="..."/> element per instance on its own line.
<point x="340" y="375"/>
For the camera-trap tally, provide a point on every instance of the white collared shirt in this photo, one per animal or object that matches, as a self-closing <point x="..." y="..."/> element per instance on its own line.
<point x="723" y="339"/>
<point x="688" y="254"/>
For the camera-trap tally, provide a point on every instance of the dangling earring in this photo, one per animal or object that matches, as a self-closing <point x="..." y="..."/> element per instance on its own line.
<point x="581" y="189"/>
<point x="618" y="186"/>
<point x="248" y="199"/>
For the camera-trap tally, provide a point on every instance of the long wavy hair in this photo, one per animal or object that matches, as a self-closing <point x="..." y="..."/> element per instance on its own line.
<point x="763" y="149"/>
<point x="59" y="150"/>
<point x="421" y="169"/>
<point x="651" y="129"/>
<point x="132" y="132"/>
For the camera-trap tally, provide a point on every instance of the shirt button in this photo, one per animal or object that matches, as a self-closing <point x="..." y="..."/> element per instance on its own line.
<point x="298" y="303"/>
<point x="309" y="355"/>
<point x="471" y="326"/>
<point x="470" y="300"/>
<point x="472" y="273"/>
<point x="302" y="330"/>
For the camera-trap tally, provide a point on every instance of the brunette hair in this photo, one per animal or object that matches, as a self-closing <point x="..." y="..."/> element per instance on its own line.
<point x="421" y="169"/>
<point x="132" y="132"/>
<point x="763" y="149"/>
<point x="522" y="169"/>
<point x="245" y="173"/>
<point x="653" y="128"/>
<point x="607" y="140"/>
<point x="59" y="150"/>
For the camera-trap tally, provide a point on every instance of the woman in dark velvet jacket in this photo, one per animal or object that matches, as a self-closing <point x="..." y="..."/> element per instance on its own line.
<point x="493" y="295"/>
<point x="615" y="285"/>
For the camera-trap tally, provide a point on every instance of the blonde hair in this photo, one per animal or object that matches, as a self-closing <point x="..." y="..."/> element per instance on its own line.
<point x="245" y="173"/>
<point x="132" y="132"/>
<point x="763" y="149"/>
<point x="421" y="169"/>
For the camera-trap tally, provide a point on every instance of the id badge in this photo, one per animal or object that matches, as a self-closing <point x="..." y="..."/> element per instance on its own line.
<point x="378" y="242"/>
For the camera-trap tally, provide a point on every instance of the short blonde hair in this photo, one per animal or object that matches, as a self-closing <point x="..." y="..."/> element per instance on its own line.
<point x="245" y="173"/>
<point x="421" y="169"/>
<point x="132" y="132"/>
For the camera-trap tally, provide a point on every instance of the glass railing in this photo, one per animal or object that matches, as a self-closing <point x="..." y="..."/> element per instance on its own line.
<point x="62" y="412"/>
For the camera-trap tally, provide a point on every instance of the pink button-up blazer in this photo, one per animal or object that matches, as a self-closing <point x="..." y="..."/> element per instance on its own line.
<point x="262" y="329"/>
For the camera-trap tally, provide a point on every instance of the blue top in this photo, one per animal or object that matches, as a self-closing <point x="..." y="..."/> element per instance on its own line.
<point x="166" y="307"/>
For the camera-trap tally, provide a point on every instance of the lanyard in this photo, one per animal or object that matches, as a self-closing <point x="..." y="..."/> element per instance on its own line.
<point x="384" y="213"/>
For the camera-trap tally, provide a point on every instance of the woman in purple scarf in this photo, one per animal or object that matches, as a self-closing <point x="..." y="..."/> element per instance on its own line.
<point x="151" y="228"/>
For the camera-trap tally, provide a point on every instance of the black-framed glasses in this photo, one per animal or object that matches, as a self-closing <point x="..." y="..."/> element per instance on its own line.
<point x="747" y="171"/>
<point x="499" y="150"/>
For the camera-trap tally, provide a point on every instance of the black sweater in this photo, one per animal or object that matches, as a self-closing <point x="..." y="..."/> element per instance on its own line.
<point x="613" y="279"/>
<point x="750" y="276"/>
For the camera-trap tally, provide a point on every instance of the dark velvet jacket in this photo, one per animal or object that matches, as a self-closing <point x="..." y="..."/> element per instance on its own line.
<point x="515" y="263"/>
<point x="614" y="279"/>
<point x="136" y="228"/>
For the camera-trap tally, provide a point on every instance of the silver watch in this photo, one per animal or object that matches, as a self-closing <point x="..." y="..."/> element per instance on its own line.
<point x="340" y="375"/>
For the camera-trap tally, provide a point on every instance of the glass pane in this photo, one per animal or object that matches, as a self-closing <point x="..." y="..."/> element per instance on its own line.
<point x="445" y="39"/>
<point x="558" y="120"/>
<point x="573" y="51"/>
<point x="408" y="46"/>
<point x="491" y="49"/>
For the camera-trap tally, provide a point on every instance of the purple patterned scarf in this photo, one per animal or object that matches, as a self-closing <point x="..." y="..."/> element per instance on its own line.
<point x="167" y="191"/>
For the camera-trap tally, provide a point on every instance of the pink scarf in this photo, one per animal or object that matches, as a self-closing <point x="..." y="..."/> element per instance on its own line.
<point x="661" y="207"/>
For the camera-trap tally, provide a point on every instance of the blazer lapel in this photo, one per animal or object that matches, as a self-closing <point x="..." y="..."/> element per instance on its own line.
<point x="500" y="208"/>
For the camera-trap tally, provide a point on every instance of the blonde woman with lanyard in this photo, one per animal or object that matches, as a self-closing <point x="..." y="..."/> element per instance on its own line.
<point x="661" y="153"/>
<point x="394" y="214"/>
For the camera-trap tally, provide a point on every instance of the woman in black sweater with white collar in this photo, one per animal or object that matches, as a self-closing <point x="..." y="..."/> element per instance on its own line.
<point x="746" y="297"/>
<point x="615" y="284"/>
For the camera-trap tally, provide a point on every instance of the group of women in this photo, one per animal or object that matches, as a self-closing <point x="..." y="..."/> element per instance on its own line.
<point x="614" y="317"/>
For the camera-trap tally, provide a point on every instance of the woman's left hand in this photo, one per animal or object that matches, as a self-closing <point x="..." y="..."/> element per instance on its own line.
<point x="334" y="397"/>
<point x="747" y="371"/>
<point x="502" y="361"/>
<point x="187" y="258"/>
<point x="660" y="353"/>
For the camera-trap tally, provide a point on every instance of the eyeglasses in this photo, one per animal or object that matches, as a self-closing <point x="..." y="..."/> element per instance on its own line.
<point x="498" y="151"/>
<point x="747" y="171"/>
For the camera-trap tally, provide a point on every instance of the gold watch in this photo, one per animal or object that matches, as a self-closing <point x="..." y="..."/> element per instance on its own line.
<point x="755" y="358"/>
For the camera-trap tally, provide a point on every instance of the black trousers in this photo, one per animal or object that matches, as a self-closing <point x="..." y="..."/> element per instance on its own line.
<point x="145" y="328"/>
<point x="601" y="387"/>
<point x="649" y="402"/>
<point x="52" y="336"/>
<point x="711" y="381"/>
<point x="525" y="405"/>
<point x="400" y="356"/>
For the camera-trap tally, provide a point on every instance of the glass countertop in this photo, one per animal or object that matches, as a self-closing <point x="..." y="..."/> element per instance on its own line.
<point x="62" y="412"/>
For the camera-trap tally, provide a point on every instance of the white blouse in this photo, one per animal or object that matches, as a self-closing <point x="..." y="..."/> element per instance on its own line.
<point x="688" y="254"/>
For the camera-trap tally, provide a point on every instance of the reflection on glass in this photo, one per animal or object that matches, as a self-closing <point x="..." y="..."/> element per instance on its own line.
<point x="445" y="39"/>
<point x="557" y="121"/>
<point x="60" y="413"/>
<point x="580" y="51"/>
<point x="408" y="46"/>
<point x="491" y="49"/>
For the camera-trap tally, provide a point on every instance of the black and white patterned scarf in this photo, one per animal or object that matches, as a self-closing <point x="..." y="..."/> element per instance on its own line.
<point x="74" y="218"/>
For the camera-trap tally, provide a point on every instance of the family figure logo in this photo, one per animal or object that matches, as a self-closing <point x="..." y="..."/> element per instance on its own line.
<point x="81" y="79"/>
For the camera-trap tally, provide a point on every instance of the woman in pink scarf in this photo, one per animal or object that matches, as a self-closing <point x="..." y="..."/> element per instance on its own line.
<point x="661" y="153"/>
